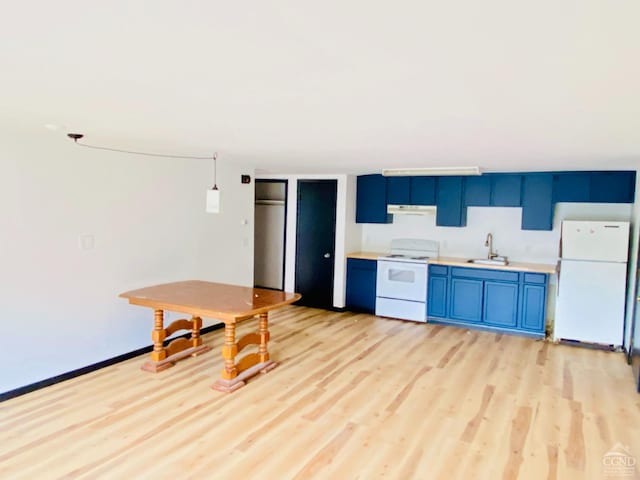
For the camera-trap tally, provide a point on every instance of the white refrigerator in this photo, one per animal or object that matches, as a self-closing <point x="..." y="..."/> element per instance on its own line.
<point x="592" y="281"/>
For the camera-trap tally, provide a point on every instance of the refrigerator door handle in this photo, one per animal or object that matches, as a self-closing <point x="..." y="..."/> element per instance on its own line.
<point x="558" y="281"/>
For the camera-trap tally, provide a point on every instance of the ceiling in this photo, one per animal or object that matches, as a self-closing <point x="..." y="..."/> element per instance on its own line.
<point x="334" y="86"/>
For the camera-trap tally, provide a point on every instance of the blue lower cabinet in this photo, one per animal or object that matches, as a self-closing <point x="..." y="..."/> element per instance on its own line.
<point x="501" y="300"/>
<point x="501" y="304"/>
<point x="437" y="296"/>
<point x="534" y="302"/>
<point x="466" y="299"/>
<point x="361" y="285"/>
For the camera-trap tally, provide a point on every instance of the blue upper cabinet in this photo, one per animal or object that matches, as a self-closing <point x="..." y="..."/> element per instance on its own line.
<point x="371" y="200"/>
<point x="450" y="211"/>
<point x="613" y="187"/>
<point x="477" y="191"/>
<point x="537" y="202"/>
<point x="399" y="190"/>
<point x="506" y="190"/>
<point x="411" y="190"/>
<point x="572" y="187"/>
<point x="595" y="187"/>
<point x="423" y="190"/>
<point x="536" y="193"/>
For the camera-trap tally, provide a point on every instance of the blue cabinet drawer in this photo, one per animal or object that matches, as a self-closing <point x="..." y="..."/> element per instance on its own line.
<point x="362" y="263"/>
<point x="438" y="270"/>
<point x="484" y="274"/>
<point x="535" y="278"/>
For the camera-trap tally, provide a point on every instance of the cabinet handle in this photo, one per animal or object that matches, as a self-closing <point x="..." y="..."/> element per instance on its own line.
<point x="327" y="255"/>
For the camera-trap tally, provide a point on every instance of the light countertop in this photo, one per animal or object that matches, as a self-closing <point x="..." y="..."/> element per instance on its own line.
<point x="462" y="262"/>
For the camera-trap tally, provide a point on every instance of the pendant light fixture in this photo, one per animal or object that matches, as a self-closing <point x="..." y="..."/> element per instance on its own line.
<point x="213" y="194"/>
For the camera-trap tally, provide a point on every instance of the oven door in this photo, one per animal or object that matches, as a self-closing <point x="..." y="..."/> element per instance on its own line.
<point x="402" y="280"/>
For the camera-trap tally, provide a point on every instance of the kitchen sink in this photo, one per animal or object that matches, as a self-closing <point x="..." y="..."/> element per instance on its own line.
<point x="490" y="261"/>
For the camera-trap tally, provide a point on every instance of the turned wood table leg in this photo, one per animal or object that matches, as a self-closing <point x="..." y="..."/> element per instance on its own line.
<point x="195" y="331"/>
<point x="158" y="335"/>
<point x="234" y="375"/>
<point x="264" y="337"/>
<point x="229" y="352"/>
<point x="158" y="361"/>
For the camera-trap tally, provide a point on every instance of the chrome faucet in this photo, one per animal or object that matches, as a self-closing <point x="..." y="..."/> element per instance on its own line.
<point x="489" y="243"/>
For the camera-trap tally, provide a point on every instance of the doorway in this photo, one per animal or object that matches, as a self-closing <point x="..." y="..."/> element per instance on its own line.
<point x="315" y="242"/>
<point x="270" y="229"/>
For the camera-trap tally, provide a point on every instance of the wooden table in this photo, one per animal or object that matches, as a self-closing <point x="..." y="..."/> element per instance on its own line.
<point x="229" y="303"/>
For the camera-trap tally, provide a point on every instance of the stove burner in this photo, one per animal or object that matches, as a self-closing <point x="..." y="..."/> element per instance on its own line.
<point x="398" y="255"/>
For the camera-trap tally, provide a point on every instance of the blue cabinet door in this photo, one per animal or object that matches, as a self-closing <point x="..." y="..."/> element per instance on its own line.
<point x="466" y="300"/>
<point x="613" y="187"/>
<point x="572" y="187"/>
<point x="437" y="296"/>
<point x="477" y="191"/>
<point x="361" y="285"/>
<point x="506" y="190"/>
<point x="371" y="199"/>
<point x="537" y="202"/>
<point x="423" y="190"/>
<point x="534" y="300"/>
<point x="501" y="304"/>
<point x="399" y="190"/>
<point x="451" y="211"/>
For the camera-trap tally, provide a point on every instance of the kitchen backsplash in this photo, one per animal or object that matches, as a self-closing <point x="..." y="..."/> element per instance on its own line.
<point x="503" y="222"/>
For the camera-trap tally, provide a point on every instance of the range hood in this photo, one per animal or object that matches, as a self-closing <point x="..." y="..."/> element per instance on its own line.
<point x="412" y="209"/>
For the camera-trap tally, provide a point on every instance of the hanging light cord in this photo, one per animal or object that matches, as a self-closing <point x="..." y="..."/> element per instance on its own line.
<point x="215" y="158"/>
<point x="77" y="136"/>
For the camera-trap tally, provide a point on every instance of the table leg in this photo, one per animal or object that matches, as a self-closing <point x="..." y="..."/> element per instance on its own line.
<point x="229" y="352"/>
<point x="165" y="357"/>
<point x="264" y="337"/>
<point x="234" y="374"/>
<point x="196" y="325"/>
<point x="263" y="351"/>
<point x="158" y="354"/>
<point x="158" y="335"/>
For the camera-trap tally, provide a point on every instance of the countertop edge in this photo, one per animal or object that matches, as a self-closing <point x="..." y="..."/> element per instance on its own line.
<point x="462" y="262"/>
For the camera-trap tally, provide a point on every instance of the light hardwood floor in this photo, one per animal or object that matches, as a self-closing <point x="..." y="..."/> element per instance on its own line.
<point x="355" y="397"/>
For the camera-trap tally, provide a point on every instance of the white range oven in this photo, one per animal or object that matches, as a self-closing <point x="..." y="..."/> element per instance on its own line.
<point x="401" y="287"/>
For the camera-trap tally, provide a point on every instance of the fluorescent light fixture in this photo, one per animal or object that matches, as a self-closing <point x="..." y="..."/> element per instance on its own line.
<point x="430" y="171"/>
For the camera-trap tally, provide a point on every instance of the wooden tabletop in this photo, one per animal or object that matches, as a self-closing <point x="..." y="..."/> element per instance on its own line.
<point x="207" y="299"/>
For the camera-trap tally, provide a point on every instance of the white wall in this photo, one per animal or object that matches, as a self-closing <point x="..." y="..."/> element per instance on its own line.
<point x="59" y="304"/>
<point x="345" y="188"/>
